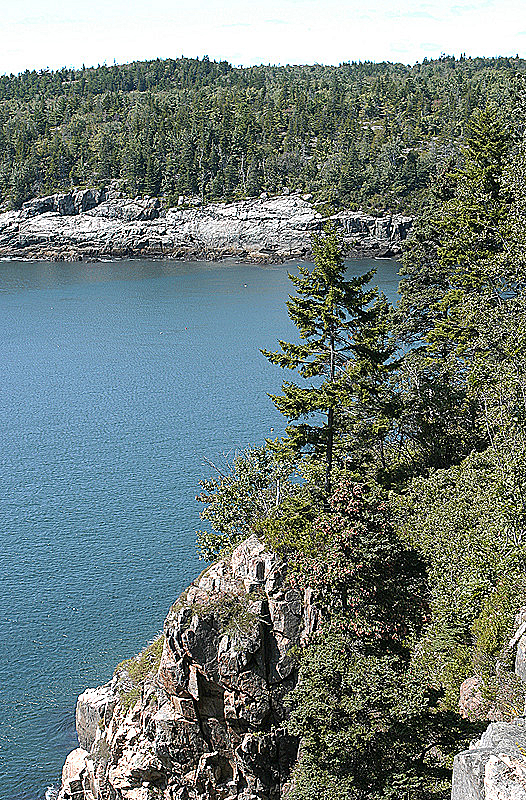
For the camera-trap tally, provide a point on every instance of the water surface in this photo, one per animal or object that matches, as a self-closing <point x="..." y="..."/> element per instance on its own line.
<point x="117" y="381"/>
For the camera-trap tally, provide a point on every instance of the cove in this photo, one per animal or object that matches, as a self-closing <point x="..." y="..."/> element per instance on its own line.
<point x="119" y="380"/>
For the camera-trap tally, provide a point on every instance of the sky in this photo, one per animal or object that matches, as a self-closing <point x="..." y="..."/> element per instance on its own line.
<point x="39" y="34"/>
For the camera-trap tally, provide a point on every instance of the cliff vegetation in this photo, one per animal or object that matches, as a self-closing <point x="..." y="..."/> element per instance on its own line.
<point x="407" y="427"/>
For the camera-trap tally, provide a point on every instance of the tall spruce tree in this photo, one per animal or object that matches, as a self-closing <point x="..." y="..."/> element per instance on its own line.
<point x="328" y="310"/>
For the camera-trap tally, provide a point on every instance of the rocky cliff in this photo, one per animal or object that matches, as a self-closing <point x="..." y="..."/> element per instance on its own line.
<point x="199" y="715"/>
<point x="93" y="223"/>
<point x="494" y="767"/>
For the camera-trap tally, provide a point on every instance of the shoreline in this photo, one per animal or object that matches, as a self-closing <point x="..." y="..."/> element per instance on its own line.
<point x="94" y="225"/>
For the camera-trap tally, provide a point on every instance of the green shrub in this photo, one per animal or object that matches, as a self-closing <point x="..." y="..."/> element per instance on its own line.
<point x="135" y="670"/>
<point x="230" y="610"/>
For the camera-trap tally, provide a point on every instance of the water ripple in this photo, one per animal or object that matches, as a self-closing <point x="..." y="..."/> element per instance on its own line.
<point x="117" y="380"/>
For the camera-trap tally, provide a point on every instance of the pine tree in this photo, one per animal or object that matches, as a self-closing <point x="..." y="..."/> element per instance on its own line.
<point x="370" y="725"/>
<point x="328" y="310"/>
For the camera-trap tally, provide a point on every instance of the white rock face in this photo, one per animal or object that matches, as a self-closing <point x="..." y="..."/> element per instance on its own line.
<point x="94" y="710"/>
<point x="93" y="224"/>
<point x="505" y="778"/>
<point x="72" y="772"/>
<point x="494" y="768"/>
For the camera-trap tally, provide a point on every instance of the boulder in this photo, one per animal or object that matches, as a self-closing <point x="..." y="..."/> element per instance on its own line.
<point x="86" y="199"/>
<point x="505" y="777"/>
<point x="67" y="204"/>
<point x="40" y="205"/>
<point x="93" y="713"/>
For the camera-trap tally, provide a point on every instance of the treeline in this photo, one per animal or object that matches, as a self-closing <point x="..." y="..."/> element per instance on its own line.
<point x="409" y="524"/>
<point x="357" y="135"/>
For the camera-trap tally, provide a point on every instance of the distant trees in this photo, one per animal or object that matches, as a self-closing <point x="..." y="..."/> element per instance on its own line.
<point x="361" y="134"/>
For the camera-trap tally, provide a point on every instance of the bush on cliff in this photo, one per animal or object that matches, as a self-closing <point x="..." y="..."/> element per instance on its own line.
<point x="370" y="727"/>
<point x="239" y="496"/>
<point x="463" y="523"/>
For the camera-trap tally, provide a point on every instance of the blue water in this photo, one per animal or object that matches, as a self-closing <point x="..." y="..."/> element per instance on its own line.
<point x="117" y="381"/>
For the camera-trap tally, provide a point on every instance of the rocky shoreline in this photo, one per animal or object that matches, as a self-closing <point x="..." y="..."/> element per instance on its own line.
<point x="92" y="224"/>
<point x="200" y="713"/>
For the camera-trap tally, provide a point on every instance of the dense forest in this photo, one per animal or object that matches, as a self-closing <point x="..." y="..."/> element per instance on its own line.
<point x="407" y="427"/>
<point x="358" y="135"/>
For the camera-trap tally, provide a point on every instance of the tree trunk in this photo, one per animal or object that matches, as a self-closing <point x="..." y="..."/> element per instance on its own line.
<point x="330" y="437"/>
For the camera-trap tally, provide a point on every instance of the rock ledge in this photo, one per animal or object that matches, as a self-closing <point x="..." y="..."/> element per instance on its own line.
<point x="95" y="223"/>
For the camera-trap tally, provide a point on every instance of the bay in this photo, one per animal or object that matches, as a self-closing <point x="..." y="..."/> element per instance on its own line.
<point x="118" y="380"/>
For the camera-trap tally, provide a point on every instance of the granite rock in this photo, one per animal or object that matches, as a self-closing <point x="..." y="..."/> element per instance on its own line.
<point x="99" y="223"/>
<point x="494" y="768"/>
<point x="207" y="722"/>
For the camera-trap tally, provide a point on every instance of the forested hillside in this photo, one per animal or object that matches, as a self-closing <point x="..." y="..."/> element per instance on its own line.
<point x="358" y="135"/>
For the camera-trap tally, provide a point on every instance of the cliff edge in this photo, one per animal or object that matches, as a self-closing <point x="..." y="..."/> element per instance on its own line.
<point x="98" y="223"/>
<point x="199" y="714"/>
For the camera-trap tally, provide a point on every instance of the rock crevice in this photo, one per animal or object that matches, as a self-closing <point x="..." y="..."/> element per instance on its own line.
<point x="203" y="719"/>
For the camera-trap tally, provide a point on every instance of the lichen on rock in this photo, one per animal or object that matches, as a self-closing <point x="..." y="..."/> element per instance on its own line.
<point x="206" y="722"/>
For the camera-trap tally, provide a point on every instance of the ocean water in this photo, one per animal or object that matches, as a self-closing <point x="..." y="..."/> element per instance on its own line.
<point x="118" y="380"/>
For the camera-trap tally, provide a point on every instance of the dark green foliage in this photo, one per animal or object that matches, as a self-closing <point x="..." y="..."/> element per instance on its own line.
<point x="459" y="520"/>
<point x="369" y="726"/>
<point x="361" y="572"/>
<point x="360" y="134"/>
<point x="459" y="249"/>
<point x="459" y="275"/>
<point x="329" y="311"/>
<point x="464" y="299"/>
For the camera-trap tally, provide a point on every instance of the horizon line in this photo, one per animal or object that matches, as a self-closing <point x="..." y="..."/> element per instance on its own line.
<point x="279" y="65"/>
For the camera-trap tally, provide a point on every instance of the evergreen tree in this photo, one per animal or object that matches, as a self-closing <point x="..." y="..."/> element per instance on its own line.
<point x="370" y="726"/>
<point x="328" y="310"/>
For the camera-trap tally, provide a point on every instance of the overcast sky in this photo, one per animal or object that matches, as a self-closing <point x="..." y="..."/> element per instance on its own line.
<point x="55" y="33"/>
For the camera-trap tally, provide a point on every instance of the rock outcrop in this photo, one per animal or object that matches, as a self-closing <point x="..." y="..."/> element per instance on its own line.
<point x="199" y="715"/>
<point x="494" y="767"/>
<point x="99" y="223"/>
